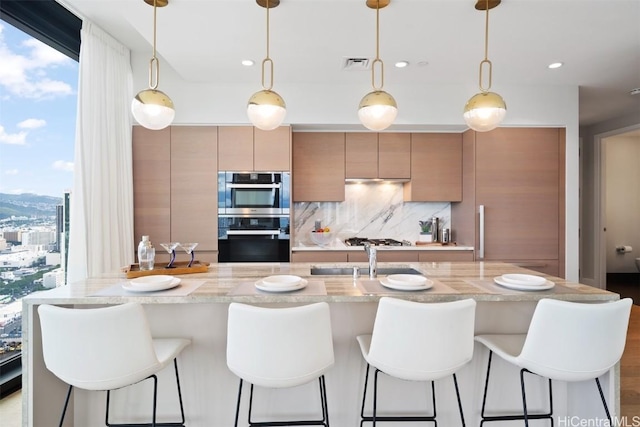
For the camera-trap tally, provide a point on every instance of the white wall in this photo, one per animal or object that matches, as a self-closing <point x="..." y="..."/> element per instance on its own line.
<point x="622" y="157"/>
<point x="326" y="106"/>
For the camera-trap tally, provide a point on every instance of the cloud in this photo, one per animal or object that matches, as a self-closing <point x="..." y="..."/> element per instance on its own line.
<point x="18" y="191"/>
<point x="11" y="172"/>
<point x="23" y="69"/>
<point x="19" y="138"/>
<point x="61" y="165"/>
<point x="32" y="124"/>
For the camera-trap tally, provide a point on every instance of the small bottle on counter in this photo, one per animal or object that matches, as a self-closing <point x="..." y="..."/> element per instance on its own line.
<point x="435" y="229"/>
<point x="146" y="254"/>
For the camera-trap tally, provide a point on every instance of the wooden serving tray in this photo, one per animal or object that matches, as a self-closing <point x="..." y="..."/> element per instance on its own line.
<point x="179" y="267"/>
<point x="435" y="244"/>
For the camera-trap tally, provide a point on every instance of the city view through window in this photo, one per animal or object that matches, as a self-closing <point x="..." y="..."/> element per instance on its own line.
<point x="38" y="97"/>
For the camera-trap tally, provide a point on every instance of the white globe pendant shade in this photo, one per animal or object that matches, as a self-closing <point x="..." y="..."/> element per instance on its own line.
<point x="484" y="111"/>
<point x="266" y="109"/>
<point x="377" y="110"/>
<point x="153" y="109"/>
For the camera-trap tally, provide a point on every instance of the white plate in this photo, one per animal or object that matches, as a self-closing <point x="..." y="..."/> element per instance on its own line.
<point x="547" y="285"/>
<point x="406" y="279"/>
<point x="153" y="281"/>
<point x="524" y="279"/>
<point x="268" y="288"/>
<point x="282" y="280"/>
<point x="406" y="287"/>
<point x="132" y="287"/>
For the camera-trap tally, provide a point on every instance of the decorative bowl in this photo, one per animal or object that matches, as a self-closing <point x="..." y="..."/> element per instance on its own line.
<point x="321" y="239"/>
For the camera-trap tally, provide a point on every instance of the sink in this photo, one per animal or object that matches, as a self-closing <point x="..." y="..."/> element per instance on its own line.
<point x="348" y="271"/>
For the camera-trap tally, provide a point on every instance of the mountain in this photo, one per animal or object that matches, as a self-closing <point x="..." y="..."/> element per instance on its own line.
<point x="30" y="205"/>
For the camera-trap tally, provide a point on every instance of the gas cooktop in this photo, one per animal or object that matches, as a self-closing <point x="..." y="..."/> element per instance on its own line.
<point x="360" y="241"/>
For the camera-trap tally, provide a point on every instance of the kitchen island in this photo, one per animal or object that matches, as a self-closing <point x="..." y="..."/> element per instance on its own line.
<point x="209" y="389"/>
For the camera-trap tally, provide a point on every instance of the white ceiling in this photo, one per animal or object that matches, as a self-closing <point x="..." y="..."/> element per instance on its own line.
<point x="205" y="40"/>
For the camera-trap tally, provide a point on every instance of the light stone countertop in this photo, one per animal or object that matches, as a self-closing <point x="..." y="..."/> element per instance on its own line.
<point x="466" y="279"/>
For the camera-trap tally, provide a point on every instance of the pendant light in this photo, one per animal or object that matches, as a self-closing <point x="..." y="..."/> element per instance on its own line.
<point x="151" y="107"/>
<point x="266" y="109"/>
<point x="485" y="110"/>
<point x="377" y="109"/>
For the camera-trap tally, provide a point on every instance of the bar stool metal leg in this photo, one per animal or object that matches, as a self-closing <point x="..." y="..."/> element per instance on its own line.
<point x="155" y="400"/>
<point x="323" y="402"/>
<point x="525" y="416"/>
<point x="604" y="402"/>
<point x="374" y="418"/>
<point x="66" y="403"/>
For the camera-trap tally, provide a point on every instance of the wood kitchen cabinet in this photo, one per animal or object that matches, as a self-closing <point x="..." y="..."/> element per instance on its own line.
<point x="378" y="155"/>
<point x="194" y="186"/>
<point x="245" y="148"/>
<point x="151" y="155"/>
<point x="436" y="168"/>
<point x="175" y="187"/>
<point x="518" y="176"/>
<point x="318" y="167"/>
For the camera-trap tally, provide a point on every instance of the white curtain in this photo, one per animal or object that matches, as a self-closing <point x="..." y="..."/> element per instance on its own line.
<point x="101" y="217"/>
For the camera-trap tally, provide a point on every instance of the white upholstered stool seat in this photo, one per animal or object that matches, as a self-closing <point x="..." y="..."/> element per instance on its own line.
<point x="417" y="342"/>
<point x="105" y="349"/>
<point x="566" y="341"/>
<point x="279" y="348"/>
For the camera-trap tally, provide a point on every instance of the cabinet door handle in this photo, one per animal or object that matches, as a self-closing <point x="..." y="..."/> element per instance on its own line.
<point x="481" y="229"/>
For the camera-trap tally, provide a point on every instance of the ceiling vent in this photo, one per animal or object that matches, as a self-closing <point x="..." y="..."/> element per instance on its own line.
<point x="356" y="64"/>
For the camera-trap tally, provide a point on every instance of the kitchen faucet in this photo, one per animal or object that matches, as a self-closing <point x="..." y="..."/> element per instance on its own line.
<point x="373" y="262"/>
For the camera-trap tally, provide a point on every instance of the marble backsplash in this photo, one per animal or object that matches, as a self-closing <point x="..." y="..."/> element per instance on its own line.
<point x="369" y="210"/>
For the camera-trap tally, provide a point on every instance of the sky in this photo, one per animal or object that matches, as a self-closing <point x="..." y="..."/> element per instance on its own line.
<point x="38" y="96"/>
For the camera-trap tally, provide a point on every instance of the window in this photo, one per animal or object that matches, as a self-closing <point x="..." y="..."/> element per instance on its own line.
<point x="39" y="49"/>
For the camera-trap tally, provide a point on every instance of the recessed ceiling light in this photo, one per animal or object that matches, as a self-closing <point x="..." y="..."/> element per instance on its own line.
<point x="635" y="91"/>
<point x="247" y="62"/>
<point x="423" y="63"/>
<point x="555" y="65"/>
<point x="401" y="64"/>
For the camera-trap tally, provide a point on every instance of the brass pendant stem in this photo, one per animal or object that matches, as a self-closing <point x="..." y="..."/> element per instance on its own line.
<point x="154" y="64"/>
<point x="377" y="60"/>
<point x="267" y="60"/>
<point x="486" y="53"/>
<point x="267" y="7"/>
<point x="486" y="33"/>
<point x="378" y="32"/>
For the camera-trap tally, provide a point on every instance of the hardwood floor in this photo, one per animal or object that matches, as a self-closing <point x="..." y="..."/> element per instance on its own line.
<point x="630" y="368"/>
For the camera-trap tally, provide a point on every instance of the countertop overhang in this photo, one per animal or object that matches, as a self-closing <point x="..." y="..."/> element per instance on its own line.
<point x="221" y="278"/>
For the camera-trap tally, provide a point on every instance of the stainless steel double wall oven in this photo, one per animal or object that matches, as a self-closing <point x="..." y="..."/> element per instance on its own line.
<point x="253" y="216"/>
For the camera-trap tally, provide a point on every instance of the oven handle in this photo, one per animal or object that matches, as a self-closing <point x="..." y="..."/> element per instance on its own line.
<point x="276" y="185"/>
<point x="253" y="232"/>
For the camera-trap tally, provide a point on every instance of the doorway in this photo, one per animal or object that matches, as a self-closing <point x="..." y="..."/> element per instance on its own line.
<point x="618" y="211"/>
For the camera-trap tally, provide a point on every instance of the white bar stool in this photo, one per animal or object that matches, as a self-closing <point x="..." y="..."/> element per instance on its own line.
<point x="279" y="348"/>
<point x="566" y="341"/>
<point x="418" y="342"/>
<point x="83" y="348"/>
